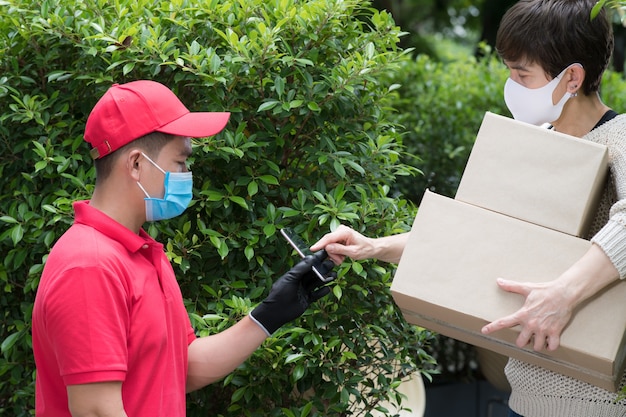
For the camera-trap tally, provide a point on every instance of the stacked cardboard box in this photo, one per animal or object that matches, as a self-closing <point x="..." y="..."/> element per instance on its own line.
<point x="526" y="195"/>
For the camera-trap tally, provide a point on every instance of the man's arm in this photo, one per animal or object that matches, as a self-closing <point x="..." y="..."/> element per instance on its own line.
<point x="213" y="357"/>
<point x="100" y="399"/>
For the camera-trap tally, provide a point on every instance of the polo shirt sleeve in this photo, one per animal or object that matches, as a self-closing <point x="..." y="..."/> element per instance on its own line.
<point x="87" y="320"/>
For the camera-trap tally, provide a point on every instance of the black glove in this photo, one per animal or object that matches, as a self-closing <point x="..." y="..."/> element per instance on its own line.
<point x="292" y="294"/>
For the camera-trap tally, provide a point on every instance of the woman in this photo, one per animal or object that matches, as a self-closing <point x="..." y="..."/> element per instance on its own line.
<point x="556" y="55"/>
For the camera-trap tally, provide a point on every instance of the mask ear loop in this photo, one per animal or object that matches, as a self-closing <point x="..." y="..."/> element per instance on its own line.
<point x="143" y="189"/>
<point x="153" y="163"/>
<point x="157" y="167"/>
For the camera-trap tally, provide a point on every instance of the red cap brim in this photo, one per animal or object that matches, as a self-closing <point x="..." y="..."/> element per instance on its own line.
<point x="197" y="124"/>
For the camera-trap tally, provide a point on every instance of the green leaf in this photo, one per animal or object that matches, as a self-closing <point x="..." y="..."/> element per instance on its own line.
<point x="17" y="233"/>
<point x="9" y="342"/>
<point x="269" y="230"/>
<point x="238" y="394"/>
<point x="306" y="410"/>
<point x="279" y="86"/>
<point x="345" y="395"/>
<point x="337" y="291"/>
<point x="339" y="169"/>
<point x="215" y="64"/>
<point x="214" y="195"/>
<point x="596" y="8"/>
<point x="8" y="219"/>
<point x="194" y="48"/>
<point x="216" y="241"/>
<point x="39" y="165"/>
<point x="40" y="150"/>
<point x="287" y="412"/>
<point x="269" y="179"/>
<point x="298" y="372"/>
<point x="49" y="238"/>
<point x="358" y="168"/>
<point x="253" y="188"/>
<point x="294" y="357"/>
<point x="294" y="104"/>
<point x="59" y="76"/>
<point x="239" y="200"/>
<point x="304" y="62"/>
<point x="249" y="252"/>
<point x="212" y="317"/>
<point x="357" y="267"/>
<point x="313" y="106"/>
<point x="128" y="68"/>
<point x="268" y="105"/>
<point x="223" y="250"/>
<point x="49" y="208"/>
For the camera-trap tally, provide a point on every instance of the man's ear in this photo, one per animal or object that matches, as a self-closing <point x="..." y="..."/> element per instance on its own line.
<point x="133" y="163"/>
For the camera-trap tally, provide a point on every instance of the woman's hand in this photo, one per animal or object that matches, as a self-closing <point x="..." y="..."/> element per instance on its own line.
<point x="545" y="313"/>
<point x="548" y="306"/>
<point x="345" y="242"/>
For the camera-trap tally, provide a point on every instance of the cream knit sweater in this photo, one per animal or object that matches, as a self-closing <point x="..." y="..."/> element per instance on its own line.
<point x="537" y="392"/>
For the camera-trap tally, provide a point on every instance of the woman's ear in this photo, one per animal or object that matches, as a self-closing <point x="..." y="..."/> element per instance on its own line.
<point x="575" y="77"/>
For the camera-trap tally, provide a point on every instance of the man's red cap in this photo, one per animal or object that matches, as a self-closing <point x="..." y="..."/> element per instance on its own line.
<point x="129" y="111"/>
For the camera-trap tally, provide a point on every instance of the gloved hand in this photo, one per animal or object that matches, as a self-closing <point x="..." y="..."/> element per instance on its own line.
<point x="292" y="294"/>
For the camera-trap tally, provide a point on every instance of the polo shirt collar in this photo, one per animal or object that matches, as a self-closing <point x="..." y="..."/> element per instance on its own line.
<point x="90" y="216"/>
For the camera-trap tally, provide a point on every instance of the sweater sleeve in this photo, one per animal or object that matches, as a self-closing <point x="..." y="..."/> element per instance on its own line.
<point x="612" y="237"/>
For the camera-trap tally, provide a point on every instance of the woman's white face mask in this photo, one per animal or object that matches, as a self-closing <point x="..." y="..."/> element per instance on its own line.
<point x="534" y="105"/>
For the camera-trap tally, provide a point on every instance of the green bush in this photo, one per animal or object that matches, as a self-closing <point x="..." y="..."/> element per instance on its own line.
<point x="310" y="144"/>
<point x="613" y="91"/>
<point x="441" y="107"/>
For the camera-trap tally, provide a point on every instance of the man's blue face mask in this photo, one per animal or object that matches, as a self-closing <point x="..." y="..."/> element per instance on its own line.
<point x="178" y="194"/>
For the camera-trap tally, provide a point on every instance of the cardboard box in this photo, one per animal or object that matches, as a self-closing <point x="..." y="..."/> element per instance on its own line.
<point x="446" y="282"/>
<point x="534" y="174"/>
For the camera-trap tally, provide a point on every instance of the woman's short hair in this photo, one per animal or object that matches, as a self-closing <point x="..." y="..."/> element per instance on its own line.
<point x="556" y="34"/>
<point x="151" y="144"/>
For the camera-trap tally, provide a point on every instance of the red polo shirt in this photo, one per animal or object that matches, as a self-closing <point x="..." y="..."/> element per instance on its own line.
<point x="108" y="308"/>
